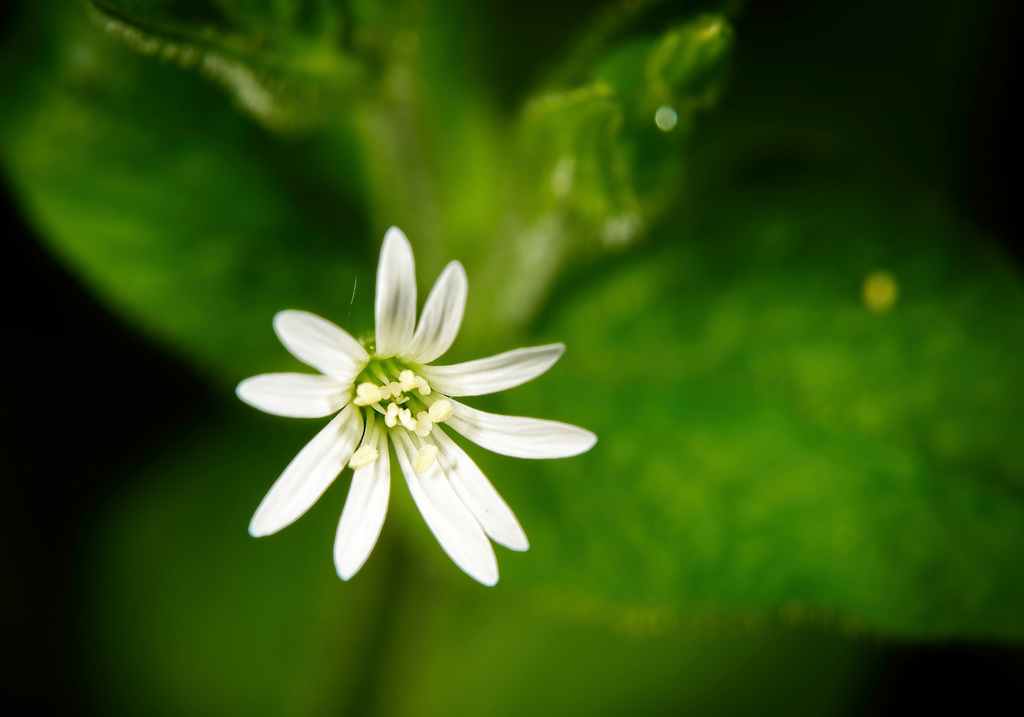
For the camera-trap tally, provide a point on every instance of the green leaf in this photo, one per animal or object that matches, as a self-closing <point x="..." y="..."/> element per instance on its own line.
<point x="767" y="442"/>
<point x="572" y="141"/>
<point x="179" y="611"/>
<point x="288" y="63"/>
<point x="176" y="209"/>
<point x="198" y="224"/>
<point x="686" y="66"/>
<point x="595" y="152"/>
<point x="191" y="614"/>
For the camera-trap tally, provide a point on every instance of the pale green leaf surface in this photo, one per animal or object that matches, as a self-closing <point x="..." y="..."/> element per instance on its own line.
<point x="766" y="442"/>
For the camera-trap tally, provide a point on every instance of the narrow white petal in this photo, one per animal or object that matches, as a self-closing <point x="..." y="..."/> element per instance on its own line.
<point x="365" y="507"/>
<point x="442" y="316"/>
<point x="320" y="344"/>
<point x="395" y="308"/>
<point x="483" y="501"/>
<point x="518" y="436"/>
<point x="309" y="474"/>
<point x="449" y="520"/>
<point x="492" y="374"/>
<point x="297" y="395"/>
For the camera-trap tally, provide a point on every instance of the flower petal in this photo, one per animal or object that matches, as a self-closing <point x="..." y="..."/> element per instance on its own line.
<point x="449" y="520"/>
<point x="492" y="374"/>
<point x="365" y="507"/>
<point x="320" y="344"/>
<point x="395" y="308"/>
<point x="483" y="501"/>
<point x="297" y="395"/>
<point x="518" y="436"/>
<point x="442" y="316"/>
<point x="309" y="474"/>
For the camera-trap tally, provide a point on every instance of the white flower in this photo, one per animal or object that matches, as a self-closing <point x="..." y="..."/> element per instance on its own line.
<point x="389" y="391"/>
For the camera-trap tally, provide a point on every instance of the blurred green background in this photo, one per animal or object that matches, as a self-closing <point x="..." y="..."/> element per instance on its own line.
<point x="793" y="313"/>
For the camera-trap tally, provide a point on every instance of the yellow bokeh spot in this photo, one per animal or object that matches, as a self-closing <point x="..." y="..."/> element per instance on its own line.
<point x="879" y="292"/>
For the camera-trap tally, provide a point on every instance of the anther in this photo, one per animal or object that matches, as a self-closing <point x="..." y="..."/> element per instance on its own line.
<point x="423" y="386"/>
<point x="441" y="410"/>
<point x="423" y="423"/>
<point x="364" y="456"/>
<point x="406" y="419"/>
<point x="425" y="458"/>
<point x="407" y="379"/>
<point x="367" y="394"/>
<point x="391" y="417"/>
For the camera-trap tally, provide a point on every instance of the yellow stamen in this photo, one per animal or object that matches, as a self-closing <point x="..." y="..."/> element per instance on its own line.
<point x="364" y="456"/>
<point x="407" y="379"/>
<point x="406" y="419"/>
<point x="441" y="410"/>
<point x="423" y="423"/>
<point x="423" y="386"/>
<point x="425" y="458"/>
<point x="367" y="394"/>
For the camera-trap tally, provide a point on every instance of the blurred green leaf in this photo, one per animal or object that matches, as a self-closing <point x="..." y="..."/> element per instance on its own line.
<point x="769" y="443"/>
<point x="199" y="225"/>
<point x="198" y="231"/>
<point x="597" y="148"/>
<point x="194" y="617"/>
<point x="686" y="66"/>
<point x="513" y="660"/>
<point x="572" y="140"/>
<point x="287" y="63"/>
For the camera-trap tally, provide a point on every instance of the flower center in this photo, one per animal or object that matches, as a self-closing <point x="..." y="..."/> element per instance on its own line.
<point x="403" y="398"/>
